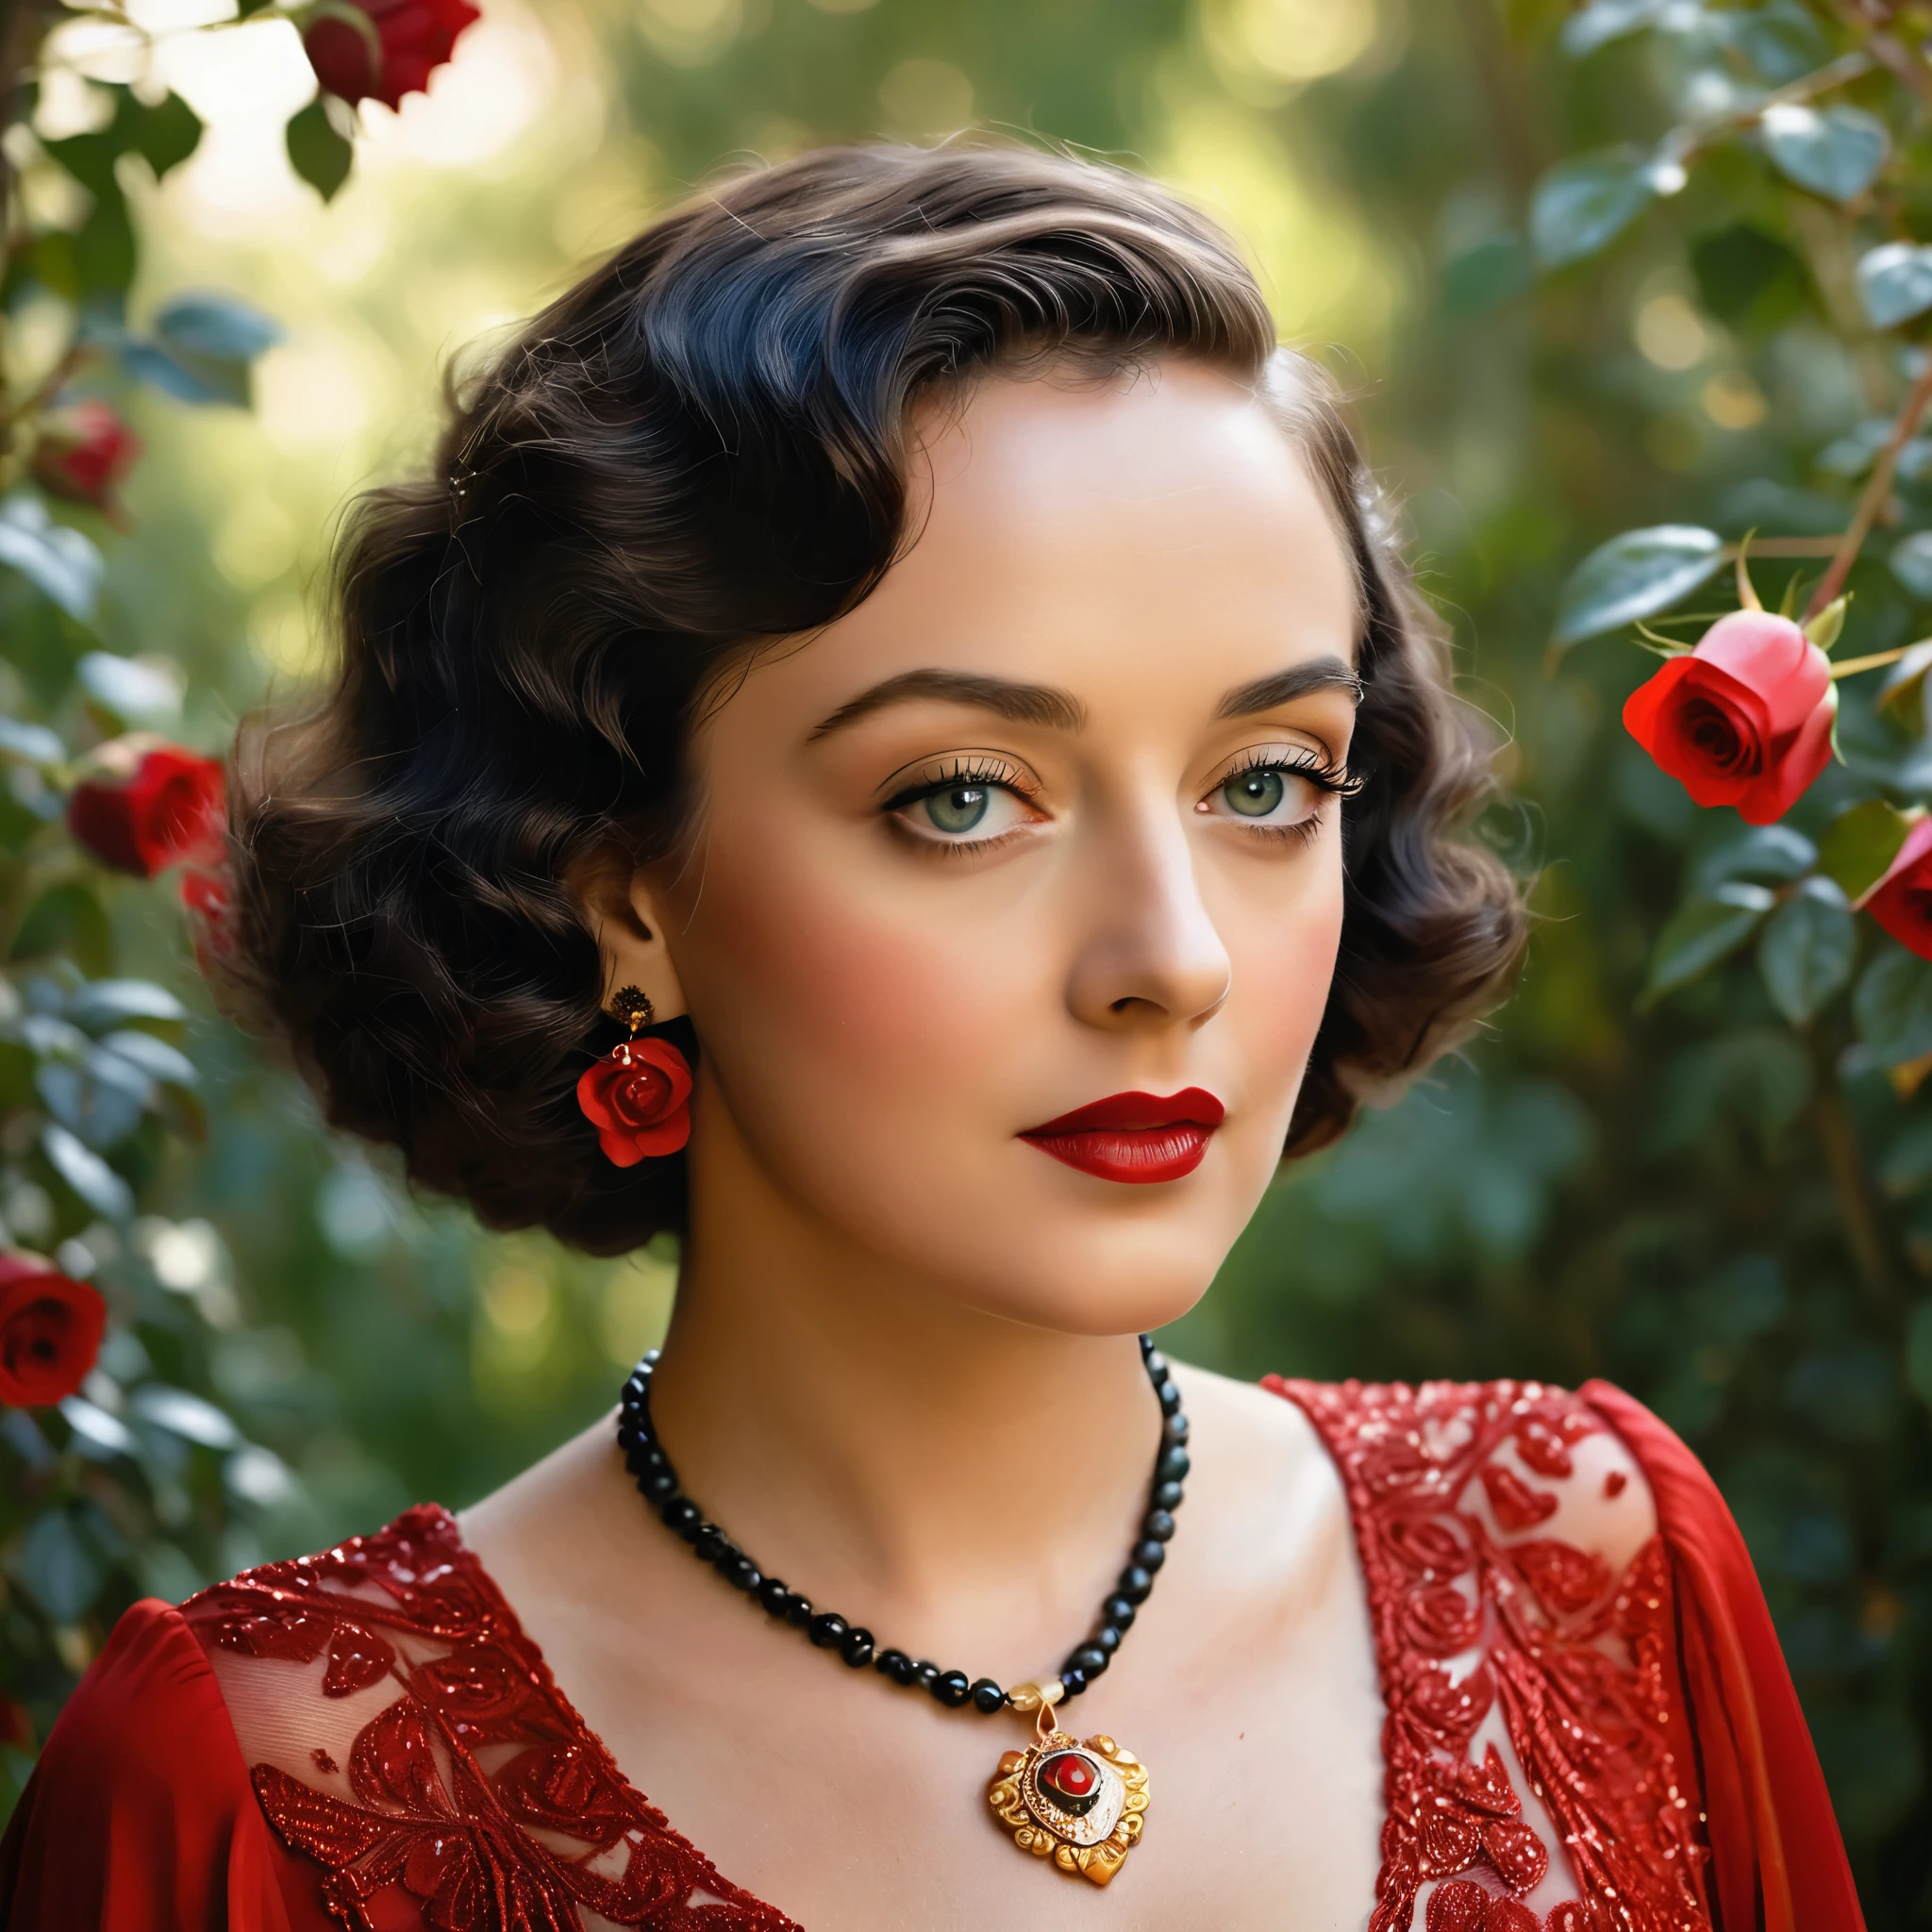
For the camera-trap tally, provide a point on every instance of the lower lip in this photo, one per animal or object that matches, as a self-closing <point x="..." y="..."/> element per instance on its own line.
<point x="1126" y="1139"/>
<point x="1132" y="1154"/>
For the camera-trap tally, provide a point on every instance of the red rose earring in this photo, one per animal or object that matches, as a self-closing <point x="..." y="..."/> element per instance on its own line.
<point x="638" y="1096"/>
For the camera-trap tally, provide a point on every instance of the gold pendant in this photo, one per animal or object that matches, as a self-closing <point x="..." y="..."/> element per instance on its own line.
<point x="1077" y="1802"/>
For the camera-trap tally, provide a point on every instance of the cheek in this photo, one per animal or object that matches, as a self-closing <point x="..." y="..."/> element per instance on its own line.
<point x="808" y="974"/>
<point x="1281" y="948"/>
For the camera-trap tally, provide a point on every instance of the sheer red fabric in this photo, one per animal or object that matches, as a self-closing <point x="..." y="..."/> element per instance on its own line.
<point x="1778" y="1861"/>
<point x="367" y="1740"/>
<point x="139" y="1816"/>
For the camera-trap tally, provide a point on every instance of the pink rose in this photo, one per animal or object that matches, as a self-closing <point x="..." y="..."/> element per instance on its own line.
<point x="1744" y="719"/>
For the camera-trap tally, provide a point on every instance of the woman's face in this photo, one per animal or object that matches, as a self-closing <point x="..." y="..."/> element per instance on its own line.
<point x="1049" y="820"/>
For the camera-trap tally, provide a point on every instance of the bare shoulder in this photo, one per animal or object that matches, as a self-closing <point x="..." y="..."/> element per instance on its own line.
<point x="1258" y="1463"/>
<point x="1539" y="1462"/>
<point x="549" y="1519"/>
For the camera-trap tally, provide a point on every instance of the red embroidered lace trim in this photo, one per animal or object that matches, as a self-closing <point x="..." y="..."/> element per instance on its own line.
<point x="1487" y="1634"/>
<point x="475" y="1800"/>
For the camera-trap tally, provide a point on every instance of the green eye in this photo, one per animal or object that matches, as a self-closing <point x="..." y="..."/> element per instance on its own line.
<point x="958" y="808"/>
<point x="1255" y="794"/>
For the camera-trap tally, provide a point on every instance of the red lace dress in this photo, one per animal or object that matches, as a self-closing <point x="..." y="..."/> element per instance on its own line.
<point x="366" y="1738"/>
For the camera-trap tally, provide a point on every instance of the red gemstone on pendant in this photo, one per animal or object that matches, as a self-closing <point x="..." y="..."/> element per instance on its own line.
<point x="1070" y="1777"/>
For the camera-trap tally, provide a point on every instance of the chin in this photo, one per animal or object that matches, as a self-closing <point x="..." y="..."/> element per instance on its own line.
<point x="1110" y="1260"/>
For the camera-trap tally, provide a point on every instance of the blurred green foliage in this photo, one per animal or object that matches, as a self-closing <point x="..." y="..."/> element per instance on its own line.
<point x="1552" y="340"/>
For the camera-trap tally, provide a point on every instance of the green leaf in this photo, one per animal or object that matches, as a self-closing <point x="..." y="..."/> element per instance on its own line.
<point x="1749" y="280"/>
<point x="187" y="1416"/>
<point x="1892" y="1007"/>
<point x="188" y="378"/>
<point x="1857" y="846"/>
<point x="61" y="564"/>
<point x="1904" y="688"/>
<point x="1604" y="21"/>
<point x="1919" y="1353"/>
<point x="90" y="157"/>
<point x="137" y="691"/>
<point x="201" y="349"/>
<point x="1781" y="39"/>
<point x="163" y="135"/>
<point x="59" y="1567"/>
<point x="87" y="1173"/>
<point x="318" y="152"/>
<point x="1835" y="152"/>
<point x="33" y="744"/>
<point x="1806" y="951"/>
<point x="107" y="1003"/>
<point x="154" y="1058"/>
<point x="218" y="327"/>
<point x="1702" y="933"/>
<point x="104" y="248"/>
<point x="1827" y="626"/>
<point x="1582" y="206"/>
<point x="1777" y="852"/>
<point x="1911" y="563"/>
<point x="49" y="259"/>
<point x="66" y="919"/>
<point x="1895" y="283"/>
<point x="1635" y="576"/>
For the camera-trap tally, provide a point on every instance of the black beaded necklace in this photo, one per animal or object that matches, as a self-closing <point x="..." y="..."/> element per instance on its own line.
<point x="1080" y="1803"/>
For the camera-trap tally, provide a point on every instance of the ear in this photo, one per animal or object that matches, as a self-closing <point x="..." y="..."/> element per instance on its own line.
<point x="621" y="905"/>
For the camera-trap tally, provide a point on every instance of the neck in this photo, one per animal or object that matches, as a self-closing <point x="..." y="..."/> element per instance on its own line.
<point x="923" y="1467"/>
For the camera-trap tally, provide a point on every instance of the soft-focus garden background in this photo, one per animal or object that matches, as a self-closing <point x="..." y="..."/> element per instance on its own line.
<point x="1694" y="1198"/>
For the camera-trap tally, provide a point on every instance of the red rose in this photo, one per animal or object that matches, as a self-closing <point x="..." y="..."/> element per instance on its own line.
<point x="1745" y="720"/>
<point x="149" y="805"/>
<point x="1565" y="1578"/>
<point x="637" y="1099"/>
<point x="391" y="52"/>
<point x="1442" y="1620"/>
<point x="1426" y="1545"/>
<point x="82" y="454"/>
<point x="50" y="1331"/>
<point x="1902" y="900"/>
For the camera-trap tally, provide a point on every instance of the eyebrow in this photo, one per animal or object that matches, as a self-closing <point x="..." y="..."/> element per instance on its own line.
<point x="1025" y="704"/>
<point x="1284" y="687"/>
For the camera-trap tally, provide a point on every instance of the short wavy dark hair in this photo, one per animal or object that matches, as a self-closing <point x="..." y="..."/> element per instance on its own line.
<point x="700" y="448"/>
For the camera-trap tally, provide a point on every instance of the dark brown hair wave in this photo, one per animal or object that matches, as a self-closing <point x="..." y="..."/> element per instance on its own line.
<point x="702" y="448"/>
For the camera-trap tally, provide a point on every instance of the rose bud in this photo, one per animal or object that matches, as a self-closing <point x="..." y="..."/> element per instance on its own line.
<point x="50" y="1331"/>
<point x="145" y="806"/>
<point x="83" y="453"/>
<point x="1744" y="719"/>
<point x="637" y="1099"/>
<point x="402" y="45"/>
<point x="1901" y="902"/>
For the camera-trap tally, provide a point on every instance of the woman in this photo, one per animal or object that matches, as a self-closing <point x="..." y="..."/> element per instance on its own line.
<point x="895" y="744"/>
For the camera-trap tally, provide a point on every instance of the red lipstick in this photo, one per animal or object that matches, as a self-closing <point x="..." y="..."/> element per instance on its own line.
<point x="1133" y="1137"/>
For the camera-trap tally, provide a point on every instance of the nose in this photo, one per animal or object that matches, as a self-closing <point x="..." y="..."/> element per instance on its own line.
<point x="1150" y="956"/>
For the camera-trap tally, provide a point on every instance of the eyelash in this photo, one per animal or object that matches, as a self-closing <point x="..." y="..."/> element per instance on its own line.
<point x="992" y="772"/>
<point x="1333" y="780"/>
<point x="1336" y="782"/>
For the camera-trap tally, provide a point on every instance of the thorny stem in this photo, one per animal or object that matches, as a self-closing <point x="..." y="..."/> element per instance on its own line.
<point x="1870" y="23"/>
<point x="1878" y="489"/>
